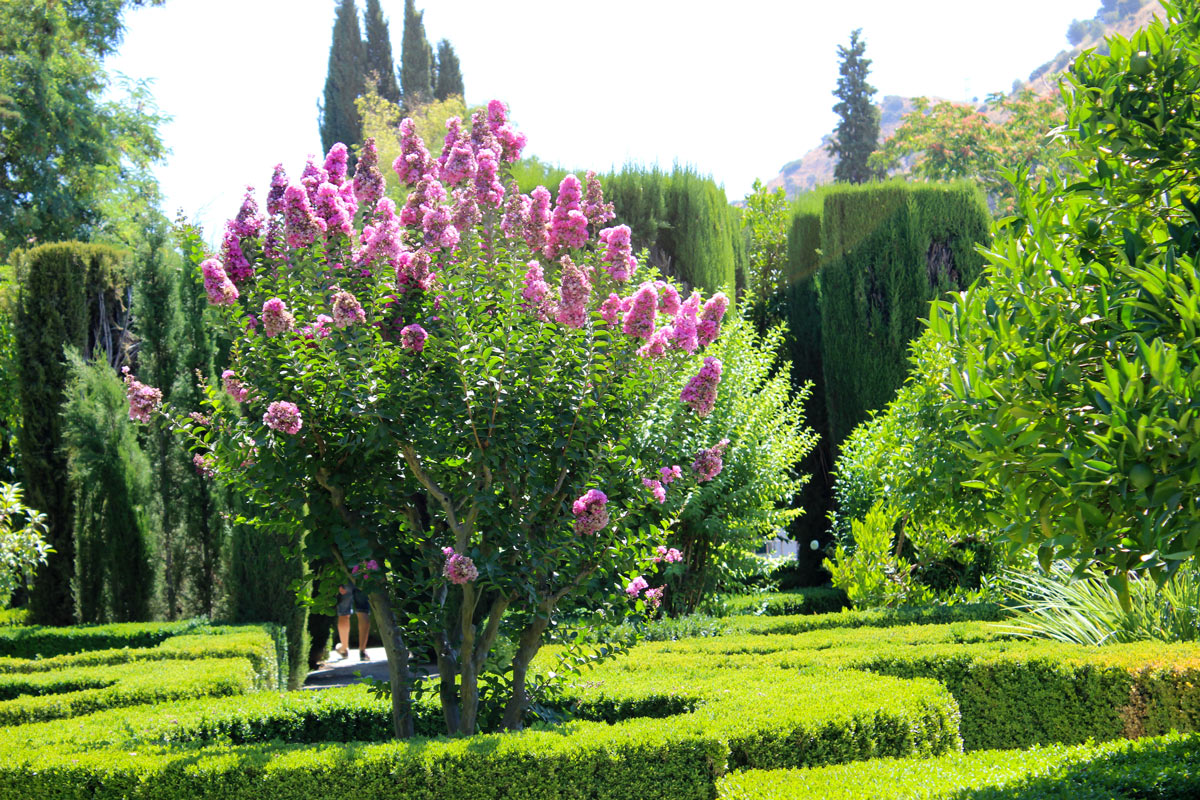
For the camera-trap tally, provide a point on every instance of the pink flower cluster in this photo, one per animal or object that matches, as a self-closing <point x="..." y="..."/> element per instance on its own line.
<point x="234" y="386"/>
<point x="365" y="567"/>
<point x="537" y="227"/>
<point x="346" y="309"/>
<point x="700" y="393"/>
<point x="458" y="569"/>
<point x="610" y="309"/>
<point x="283" y="416"/>
<point x="511" y="141"/>
<point x="303" y="226"/>
<point x="653" y="597"/>
<point x="368" y="180"/>
<point x="237" y="266"/>
<point x="221" y="291"/>
<point x="670" y="474"/>
<point x="276" y="318"/>
<point x="413" y="162"/>
<point x="595" y="209"/>
<point x="279" y="184"/>
<point x="412" y="338"/>
<point x="319" y="329"/>
<point x="575" y="291"/>
<point x="568" y="225"/>
<point x="640" y="318"/>
<point x="204" y="464"/>
<point x="656" y="489"/>
<point x="591" y="512"/>
<point x="535" y="291"/>
<point x="618" y="254"/>
<point x="336" y="163"/>
<point x="143" y="399"/>
<point x="710" y="319"/>
<point x="636" y="586"/>
<point x="709" y="463"/>
<point x="668" y="555"/>
<point x="249" y="221"/>
<point x="334" y="211"/>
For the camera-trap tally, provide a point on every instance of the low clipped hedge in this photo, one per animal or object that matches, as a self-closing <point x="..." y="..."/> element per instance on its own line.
<point x="13" y="616"/>
<point x="38" y="641"/>
<point x="815" y="600"/>
<point x="1164" y="768"/>
<point x="882" y="618"/>
<point x="40" y="696"/>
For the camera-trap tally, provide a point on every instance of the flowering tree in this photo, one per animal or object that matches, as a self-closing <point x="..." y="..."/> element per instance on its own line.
<point x="446" y="390"/>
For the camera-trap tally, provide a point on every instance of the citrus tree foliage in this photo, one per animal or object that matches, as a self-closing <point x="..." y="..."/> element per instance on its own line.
<point x="951" y="141"/>
<point x="766" y="222"/>
<point x="23" y="545"/>
<point x="449" y="391"/>
<point x="1077" y="362"/>
<point x="720" y="521"/>
<point x="906" y="456"/>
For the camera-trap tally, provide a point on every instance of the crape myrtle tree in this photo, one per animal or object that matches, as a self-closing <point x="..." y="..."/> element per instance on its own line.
<point x="442" y="397"/>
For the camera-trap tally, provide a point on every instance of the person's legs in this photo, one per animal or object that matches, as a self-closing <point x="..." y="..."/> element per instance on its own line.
<point x="364" y="632"/>
<point x="343" y="627"/>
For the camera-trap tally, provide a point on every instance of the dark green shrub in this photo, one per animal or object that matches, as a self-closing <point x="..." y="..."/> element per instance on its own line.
<point x="813" y="600"/>
<point x="887" y="251"/>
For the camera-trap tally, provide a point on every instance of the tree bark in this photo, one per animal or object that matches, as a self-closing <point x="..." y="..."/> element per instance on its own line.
<point x="399" y="674"/>
<point x="527" y="647"/>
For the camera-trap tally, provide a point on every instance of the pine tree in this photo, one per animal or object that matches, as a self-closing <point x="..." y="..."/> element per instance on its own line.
<point x="449" y="74"/>
<point x="416" y="59"/>
<point x="857" y="134"/>
<point x="379" y="65"/>
<point x="344" y="80"/>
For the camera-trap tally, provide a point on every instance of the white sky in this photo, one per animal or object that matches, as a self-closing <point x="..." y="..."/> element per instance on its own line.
<point x="736" y="88"/>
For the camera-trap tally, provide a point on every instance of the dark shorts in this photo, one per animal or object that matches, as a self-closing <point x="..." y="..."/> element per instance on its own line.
<point x="353" y="600"/>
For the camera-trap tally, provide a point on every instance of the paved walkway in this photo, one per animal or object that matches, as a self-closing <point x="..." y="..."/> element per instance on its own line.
<point x="338" y="671"/>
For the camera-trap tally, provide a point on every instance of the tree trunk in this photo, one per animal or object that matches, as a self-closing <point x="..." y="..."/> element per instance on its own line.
<point x="528" y="646"/>
<point x="399" y="674"/>
<point x="447" y="663"/>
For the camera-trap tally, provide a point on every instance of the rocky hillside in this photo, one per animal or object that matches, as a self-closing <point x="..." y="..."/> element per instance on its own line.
<point x="816" y="166"/>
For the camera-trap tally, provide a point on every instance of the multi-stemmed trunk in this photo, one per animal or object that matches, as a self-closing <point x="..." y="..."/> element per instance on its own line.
<point x="399" y="673"/>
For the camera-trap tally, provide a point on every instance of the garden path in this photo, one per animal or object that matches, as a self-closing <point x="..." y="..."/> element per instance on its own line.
<point x="339" y="671"/>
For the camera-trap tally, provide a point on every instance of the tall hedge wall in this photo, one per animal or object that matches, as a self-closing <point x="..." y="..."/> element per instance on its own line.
<point x="63" y="289"/>
<point x="887" y="250"/>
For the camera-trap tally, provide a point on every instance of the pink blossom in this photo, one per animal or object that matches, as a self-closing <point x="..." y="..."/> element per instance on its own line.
<point x="708" y="463"/>
<point x="199" y="419"/>
<point x="591" y="512"/>
<point x="639" y="320"/>
<point x="610" y="309"/>
<point x="439" y="228"/>
<point x="683" y="331"/>
<point x="535" y="291"/>
<point x="466" y="209"/>
<point x="303" y="226"/>
<point x="383" y="244"/>
<point x="618" y="255"/>
<point x="221" y="291"/>
<point x="656" y="345"/>
<point x="458" y="569"/>
<point x="488" y="188"/>
<point x="279" y="184"/>
<point x="512" y="142"/>
<point x="346" y="309"/>
<point x="237" y="267"/>
<point x="428" y="194"/>
<point x="346" y="192"/>
<point x="337" y="162"/>
<point x="413" y="162"/>
<point x="283" y="416"/>
<point x="276" y="318"/>
<point x="668" y="555"/>
<point x="275" y="243"/>
<point x="710" y="319"/>
<point x="653" y="597"/>
<point x="413" y="270"/>
<point x="670" y="474"/>
<point x="368" y="180"/>
<point x="574" y="292"/>
<point x="568" y="225"/>
<point x="516" y="212"/>
<point x="497" y="114"/>
<point x="537" y="230"/>
<point x="482" y="137"/>
<point x="204" y="464"/>
<point x="312" y="177"/>
<point x="636" y="586"/>
<point x="656" y="489"/>
<point x="331" y="208"/>
<point x="365" y="567"/>
<point x="248" y="221"/>
<point x="318" y="329"/>
<point x="143" y="399"/>
<point x="234" y="386"/>
<point x="595" y="209"/>
<point x="460" y="166"/>
<point x="454" y="137"/>
<point x="668" y="298"/>
<point x="412" y="338"/>
<point x="700" y="393"/>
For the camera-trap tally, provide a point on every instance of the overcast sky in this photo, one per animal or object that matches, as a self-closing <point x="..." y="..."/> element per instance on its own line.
<point x="736" y="89"/>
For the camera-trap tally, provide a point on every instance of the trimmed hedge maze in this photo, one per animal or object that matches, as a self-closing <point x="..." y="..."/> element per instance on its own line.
<point x="768" y="709"/>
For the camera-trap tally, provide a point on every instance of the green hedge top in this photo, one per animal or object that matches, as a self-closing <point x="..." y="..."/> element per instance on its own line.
<point x="814" y="600"/>
<point x="37" y="641"/>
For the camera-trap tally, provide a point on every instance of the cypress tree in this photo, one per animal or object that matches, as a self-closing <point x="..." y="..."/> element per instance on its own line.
<point x="379" y="65"/>
<point x="857" y="134"/>
<point x="416" y="59"/>
<point x="62" y="286"/>
<point x="344" y="80"/>
<point x="110" y="478"/>
<point x="449" y="73"/>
